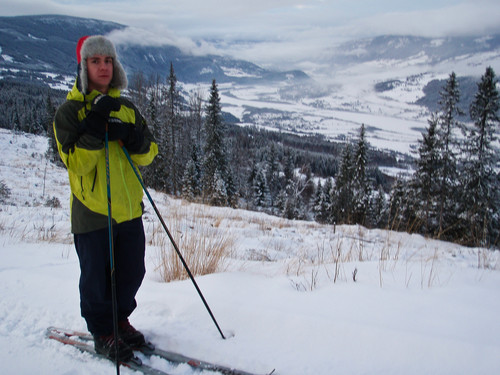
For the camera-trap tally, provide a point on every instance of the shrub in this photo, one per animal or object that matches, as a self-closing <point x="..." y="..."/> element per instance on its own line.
<point x="4" y="192"/>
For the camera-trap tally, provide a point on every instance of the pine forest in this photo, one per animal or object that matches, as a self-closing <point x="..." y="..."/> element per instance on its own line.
<point x="452" y="194"/>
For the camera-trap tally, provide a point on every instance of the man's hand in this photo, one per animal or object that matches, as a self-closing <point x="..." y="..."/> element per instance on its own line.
<point x="104" y="104"/>
<point x="95" y="122"/>
<point x="131" y="136"/>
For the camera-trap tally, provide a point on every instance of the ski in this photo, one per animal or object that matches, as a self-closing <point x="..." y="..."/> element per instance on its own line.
<point x="83" y="344"/>
<point x="196" y="363"/>
<point x="150" y="350"/>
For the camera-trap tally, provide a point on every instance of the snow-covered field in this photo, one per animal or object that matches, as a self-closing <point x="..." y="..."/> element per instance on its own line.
<point x="287" y="291"/>
<point x="392" y="122"/>
<point x="344" y="97"/>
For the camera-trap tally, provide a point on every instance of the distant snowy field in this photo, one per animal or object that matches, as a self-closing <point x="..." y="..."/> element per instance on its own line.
<point x="392" y="121"/>
<point x="344" y="97"/>
<point x="287" y="292"/>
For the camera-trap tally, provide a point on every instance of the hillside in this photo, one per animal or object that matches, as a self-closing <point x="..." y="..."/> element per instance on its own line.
<point x="388" y="83"/>
<point x="299" y="297"/>
<point x="46" y="44"/>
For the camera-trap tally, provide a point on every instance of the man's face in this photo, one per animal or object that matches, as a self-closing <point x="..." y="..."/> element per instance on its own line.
<point x="100" y="72"/>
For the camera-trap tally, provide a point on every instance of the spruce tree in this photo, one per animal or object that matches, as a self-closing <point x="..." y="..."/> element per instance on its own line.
<point x="449" y="147"/>
<point x="425" y="180"/>
<point x="398" y="212"/>
<point x="191" y="180"/>
<point x="342" y="196"/>
<point x="261" y="194"/>
<point x="481" y="189"/>
<point x="52" y="152"/>
<point x="216" y="172"/>
<point x="290" y="202"/>
<point x="273" y="172"/>
<point x="157" y="173"/>
<point x="360" y="184"/>
<point x="378" y="216"/>
<point x="328" y="190"/>
<point x="175" y="163"/>
<point x="321" y="202"/>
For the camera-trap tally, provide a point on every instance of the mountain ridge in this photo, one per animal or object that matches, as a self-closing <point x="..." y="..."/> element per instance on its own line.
<point x="400" y="47"/>
<point x="47" y="42"/>
<point x="390" y="84"/>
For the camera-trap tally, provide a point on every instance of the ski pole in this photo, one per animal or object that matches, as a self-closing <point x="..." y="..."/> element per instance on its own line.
<point x="112" y="255"/>
<point x="171" y="238"/>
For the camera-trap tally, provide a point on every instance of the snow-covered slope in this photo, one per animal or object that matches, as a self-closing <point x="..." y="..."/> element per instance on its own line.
<point x="286" y="291"/>
<point x="380" y="92"/>
<point x="333" y="96"/>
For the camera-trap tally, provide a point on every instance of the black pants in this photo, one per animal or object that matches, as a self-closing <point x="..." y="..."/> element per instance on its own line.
<point x="95" y="278"/>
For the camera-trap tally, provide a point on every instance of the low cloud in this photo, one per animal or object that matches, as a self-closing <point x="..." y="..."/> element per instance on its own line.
<point x="285" y="33"/>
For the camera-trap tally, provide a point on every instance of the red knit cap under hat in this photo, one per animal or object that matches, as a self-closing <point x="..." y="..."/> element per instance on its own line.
<point x="79" y="47"/>
<point x="89" y="46"/>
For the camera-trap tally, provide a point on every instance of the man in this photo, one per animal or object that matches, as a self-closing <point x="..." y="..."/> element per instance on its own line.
<point x="92" y="106"/>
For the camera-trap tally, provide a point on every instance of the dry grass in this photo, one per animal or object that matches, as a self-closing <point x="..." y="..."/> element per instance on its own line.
<point x="204" y="244"/>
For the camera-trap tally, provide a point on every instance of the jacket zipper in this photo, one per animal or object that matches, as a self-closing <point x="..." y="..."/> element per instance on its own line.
<point x="95" y="178"/>
<point x="81" y="185"/>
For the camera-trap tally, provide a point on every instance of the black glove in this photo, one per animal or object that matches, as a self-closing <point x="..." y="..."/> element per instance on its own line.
<point x="104" y="104"/>
<point x="117" y="129"/>
<point x="131" y="136"/>
<point x="135" y="139"/>
<point x="95" y="122"/>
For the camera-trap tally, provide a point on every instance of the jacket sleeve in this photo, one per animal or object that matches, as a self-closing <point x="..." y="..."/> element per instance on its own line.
<point x="149" y="149"/>
<point x="79" y="152"/>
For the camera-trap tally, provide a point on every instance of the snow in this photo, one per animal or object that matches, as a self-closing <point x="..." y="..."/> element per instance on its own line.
<point x="236" y="72"/>
<point x="7" y="58"/>
<point x="344" y="97"/>
<point x="418" y="306"/>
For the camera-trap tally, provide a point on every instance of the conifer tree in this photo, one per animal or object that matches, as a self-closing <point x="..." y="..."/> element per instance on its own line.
<point x="195" y="127"/>
<point x="289" y="166"/>
<point x="342" y="196"/>
<point x="191" y="181"/>
<point x="425" y="180"/>
<point x="216" y="172"/>
<point x="328" y="192"/>
<point x="322" y="203"/>
<point x="290" y="202"/>
<point x="449" y="146"/>
<point x="52" y="152"/>
<point x="157" y="173"/>
<point x="398" y="215"/>
<point x="360" y="184"/>
<point x="273" y="172"/>
<point x="481" y="189"/>
<point x="378" y="216"/>
<point x="261" y="194"/>
<point x="175" y="160"/>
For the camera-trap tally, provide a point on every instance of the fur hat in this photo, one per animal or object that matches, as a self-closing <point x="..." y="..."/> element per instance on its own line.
<point x="89" y="46"/>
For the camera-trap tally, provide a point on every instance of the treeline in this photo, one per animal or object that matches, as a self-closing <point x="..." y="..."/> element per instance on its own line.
<point x="453" y="194"/>
<point x="203" y="158"/>
<point x="27" y="107"/>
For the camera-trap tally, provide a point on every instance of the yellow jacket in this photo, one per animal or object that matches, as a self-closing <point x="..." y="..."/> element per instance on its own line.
<point x="84" y="157"/>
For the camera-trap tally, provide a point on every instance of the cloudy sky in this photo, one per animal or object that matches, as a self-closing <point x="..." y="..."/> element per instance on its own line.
<point x="273" y="31"/>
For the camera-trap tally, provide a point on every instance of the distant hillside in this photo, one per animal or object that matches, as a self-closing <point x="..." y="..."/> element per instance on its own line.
<point x="388" y="83"/>
<point x="398" y="48"/>
<point x="466" y="85"/>
<point x="46" y="44"/>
